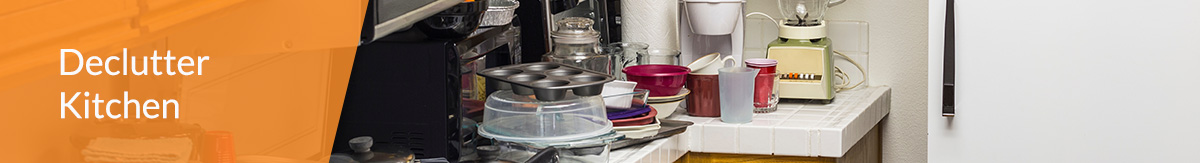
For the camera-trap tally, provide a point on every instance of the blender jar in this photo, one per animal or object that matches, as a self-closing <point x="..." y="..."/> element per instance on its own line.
<point x="804" y="12"/>
<point x="577" y="44"/>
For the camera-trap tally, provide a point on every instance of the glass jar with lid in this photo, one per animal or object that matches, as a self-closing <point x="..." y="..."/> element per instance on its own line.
<point x="577" y="44"/>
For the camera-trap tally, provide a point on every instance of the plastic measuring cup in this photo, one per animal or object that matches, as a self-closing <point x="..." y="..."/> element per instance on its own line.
<point x="737" y="93"/>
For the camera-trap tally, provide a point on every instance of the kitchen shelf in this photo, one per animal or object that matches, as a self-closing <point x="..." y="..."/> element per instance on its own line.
<point x="809" y="130"/>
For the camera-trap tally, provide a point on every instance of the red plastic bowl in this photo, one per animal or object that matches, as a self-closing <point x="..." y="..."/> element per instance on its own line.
<point x="637" y="120"/>
<point x="661" y="80"/>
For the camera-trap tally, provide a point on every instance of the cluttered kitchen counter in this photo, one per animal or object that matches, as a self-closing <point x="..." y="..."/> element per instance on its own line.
<point x="565" y="86"/>
<point x="809" y="130"/>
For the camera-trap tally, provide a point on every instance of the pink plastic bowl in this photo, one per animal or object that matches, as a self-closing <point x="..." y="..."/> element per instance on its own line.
<point x="661" y="80"/>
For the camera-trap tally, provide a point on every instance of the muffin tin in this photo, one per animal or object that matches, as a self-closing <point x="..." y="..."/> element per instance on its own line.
<point x="547" y="81"/>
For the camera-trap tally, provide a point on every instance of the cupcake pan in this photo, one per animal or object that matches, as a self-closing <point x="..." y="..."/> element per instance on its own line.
<point x="547" y="81"/>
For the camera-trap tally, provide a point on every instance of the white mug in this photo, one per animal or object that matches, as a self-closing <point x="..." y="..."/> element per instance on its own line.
<point x="705" y="65"/>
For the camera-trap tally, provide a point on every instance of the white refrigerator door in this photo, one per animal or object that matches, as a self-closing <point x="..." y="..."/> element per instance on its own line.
<point x="1068" y="81"/>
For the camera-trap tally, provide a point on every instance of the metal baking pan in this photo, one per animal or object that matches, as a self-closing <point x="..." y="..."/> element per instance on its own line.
<point x="547" y="81"/>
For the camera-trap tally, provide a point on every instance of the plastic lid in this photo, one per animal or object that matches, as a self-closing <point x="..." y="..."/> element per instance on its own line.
<point x="761" y="62"/>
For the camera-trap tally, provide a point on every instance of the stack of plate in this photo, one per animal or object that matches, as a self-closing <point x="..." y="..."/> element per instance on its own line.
<point x="633" y="117"/>
<point x="668" y="104"/>
<point x="642" y="131"/>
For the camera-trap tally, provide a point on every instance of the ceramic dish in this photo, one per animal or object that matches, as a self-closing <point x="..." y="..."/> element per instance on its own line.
<point x="665" y="109"/>
<point x="637" y="120"/>
<point x="682" y="94"/>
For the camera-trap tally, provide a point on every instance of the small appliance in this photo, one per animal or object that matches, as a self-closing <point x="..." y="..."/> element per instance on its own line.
<point x="711" y="33"/>
<point x="710" y="26"/>
<point x="804" y="54"/>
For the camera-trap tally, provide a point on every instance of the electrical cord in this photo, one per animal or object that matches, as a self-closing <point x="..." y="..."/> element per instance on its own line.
<point x="846" y="80"/>
<point x="837" y="72"/>
<point x="843" y="85"/>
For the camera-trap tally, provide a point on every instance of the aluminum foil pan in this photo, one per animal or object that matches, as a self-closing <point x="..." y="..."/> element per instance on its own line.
<point x="499" y="12"/>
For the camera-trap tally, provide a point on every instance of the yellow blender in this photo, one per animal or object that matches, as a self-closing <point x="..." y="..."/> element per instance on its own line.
<point x="804" y="53"/>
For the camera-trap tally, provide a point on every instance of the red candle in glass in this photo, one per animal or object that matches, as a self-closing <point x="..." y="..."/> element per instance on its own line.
<point x="764" y="83"/>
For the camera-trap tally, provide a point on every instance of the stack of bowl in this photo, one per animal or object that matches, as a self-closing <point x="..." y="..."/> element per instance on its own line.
<point x="665" y="83"/>
<point x="631" y="115"/>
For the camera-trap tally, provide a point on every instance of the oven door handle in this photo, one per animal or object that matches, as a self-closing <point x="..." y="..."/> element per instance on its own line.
<point x="948" y="63"/>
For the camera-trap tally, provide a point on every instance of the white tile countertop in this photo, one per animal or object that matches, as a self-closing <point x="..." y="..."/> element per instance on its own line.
<point x="810" y="130"/>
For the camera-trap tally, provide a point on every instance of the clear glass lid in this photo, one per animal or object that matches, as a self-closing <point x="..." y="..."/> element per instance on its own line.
<point x="520" y="118"/>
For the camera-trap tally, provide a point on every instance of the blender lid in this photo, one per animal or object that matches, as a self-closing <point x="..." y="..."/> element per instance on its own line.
<point x="714" y="1"/>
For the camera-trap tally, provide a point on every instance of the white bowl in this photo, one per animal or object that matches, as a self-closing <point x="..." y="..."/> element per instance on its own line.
<point x="665" y="109"/>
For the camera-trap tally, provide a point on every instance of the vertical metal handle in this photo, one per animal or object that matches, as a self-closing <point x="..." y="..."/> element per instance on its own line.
<point x="948" y="63"/>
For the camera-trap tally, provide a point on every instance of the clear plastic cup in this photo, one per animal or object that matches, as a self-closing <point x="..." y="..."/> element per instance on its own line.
<point x="624" y="54"/>
<point x="659" y="57"/>
<point x="737" y="93"/>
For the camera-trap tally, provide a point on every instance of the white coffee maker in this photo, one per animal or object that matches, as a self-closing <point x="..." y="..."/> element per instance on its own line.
<point x="710" y="26"/>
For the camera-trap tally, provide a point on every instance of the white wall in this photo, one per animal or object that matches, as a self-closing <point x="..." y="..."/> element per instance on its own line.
<point x="899" y="32"/>
<point x="898" y="58"/>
